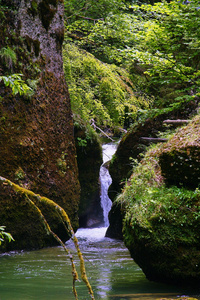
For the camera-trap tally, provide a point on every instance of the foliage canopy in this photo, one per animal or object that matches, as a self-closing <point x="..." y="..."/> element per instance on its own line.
<point x="99" y="91"/>
<point x="158" y="44"/>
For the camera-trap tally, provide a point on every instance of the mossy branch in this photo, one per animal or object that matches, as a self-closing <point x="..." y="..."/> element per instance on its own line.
<point x="33" y="199"/>
<point x="49" y="231"/>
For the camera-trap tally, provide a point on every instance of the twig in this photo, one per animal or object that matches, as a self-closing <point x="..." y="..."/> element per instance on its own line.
<point x="95" y="126"/>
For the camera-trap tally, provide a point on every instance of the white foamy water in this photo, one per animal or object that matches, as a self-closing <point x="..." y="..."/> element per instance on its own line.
<point x="91" y="234"/>
<point x="106" y="180"/>
<point x="108" y="151"/>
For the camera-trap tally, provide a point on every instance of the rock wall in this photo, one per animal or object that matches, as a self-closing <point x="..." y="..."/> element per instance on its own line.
<point x="89" y="159"/>
<point x="36" y="131"/>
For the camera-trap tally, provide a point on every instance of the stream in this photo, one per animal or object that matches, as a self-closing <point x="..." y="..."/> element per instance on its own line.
<point x="46" y="274"/>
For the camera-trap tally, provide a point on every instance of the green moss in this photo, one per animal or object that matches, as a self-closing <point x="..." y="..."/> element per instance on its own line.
<point x="20" y="174"/>
<point x="8" y="56"/>
<point x="62" y="164"/>
<point x="179" y="157"/>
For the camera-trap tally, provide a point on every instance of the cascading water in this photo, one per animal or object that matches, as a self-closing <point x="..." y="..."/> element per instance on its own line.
<point x="105" y="180"/>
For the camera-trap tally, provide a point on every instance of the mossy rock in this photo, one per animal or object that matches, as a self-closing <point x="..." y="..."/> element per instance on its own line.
<point x="180" y="156"/>
<point x="130" y="147"/>
<point x="47" y="10"/>
<point x="161" y="222"/>
<point x="36" y="131"/>
<point x="114" y="230"/>
<point x="25" y="223"/>
<point x="89" y="159"/>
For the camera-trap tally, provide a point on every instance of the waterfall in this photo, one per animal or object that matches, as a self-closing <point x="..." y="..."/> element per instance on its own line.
<point x="105" y="180"/>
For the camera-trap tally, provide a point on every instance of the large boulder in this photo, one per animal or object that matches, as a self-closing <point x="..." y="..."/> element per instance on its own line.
<point x="36" y="131"/>
<point x="25" y="215"/>
<point x="162" y="221"/>
<point x="131" y="146"/>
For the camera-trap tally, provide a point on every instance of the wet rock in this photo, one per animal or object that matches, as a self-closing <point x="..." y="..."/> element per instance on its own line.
<point x="36" y="131"/>
<point x="89" y="159"/>
<point x="114" y="230"/>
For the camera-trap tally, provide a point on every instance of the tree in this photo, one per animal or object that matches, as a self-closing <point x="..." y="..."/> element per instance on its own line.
<point x="159" y="44"/>
<point x="90" y="25"/>
<point x="168" y="46"/>
<point x="99" y="91"/>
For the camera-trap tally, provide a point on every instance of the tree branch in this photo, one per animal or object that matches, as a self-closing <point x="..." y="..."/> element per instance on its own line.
<point x="33" y="199"/>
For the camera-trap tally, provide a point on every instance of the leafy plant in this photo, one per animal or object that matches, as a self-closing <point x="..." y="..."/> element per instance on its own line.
<point x="168" y="47"/>
<point x="98" y="91"/>
<point x="82" y="142"/>
<point x="5" y="235"/>
<point x="9" y="56"/>
<point x="17" y="84"/>
<point x="159" y="44"/>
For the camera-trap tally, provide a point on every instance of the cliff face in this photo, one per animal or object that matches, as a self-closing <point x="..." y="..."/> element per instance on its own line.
<point x="36" y="131"/>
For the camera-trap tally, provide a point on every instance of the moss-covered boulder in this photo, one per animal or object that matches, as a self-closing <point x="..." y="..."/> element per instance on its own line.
<point x="161" y="221"/>
<point x="131" y="146"/>
<point x="36" y="130"/>
<point x="180" y="157"/>
<point x="89" y="159"/>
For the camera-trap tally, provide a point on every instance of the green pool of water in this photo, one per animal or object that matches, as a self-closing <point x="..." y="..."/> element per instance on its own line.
<point x="46" y="274"/>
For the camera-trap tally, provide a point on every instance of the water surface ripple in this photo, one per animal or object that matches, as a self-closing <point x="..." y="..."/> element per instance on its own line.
<point x="46" y="274"/>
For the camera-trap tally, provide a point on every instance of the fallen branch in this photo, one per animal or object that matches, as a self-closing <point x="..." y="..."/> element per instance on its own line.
<point x="33" y="199"/>
<point x="96" y="127"/>
<point x="49" y="231"/>
<point x="176" y="122"/>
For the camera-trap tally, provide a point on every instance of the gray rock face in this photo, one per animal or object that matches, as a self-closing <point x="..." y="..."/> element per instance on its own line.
<point x="41" y="25"/>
